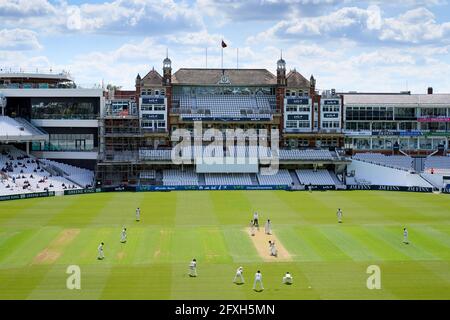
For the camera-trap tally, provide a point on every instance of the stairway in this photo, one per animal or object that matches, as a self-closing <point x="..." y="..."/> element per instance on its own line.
<point x="159" y="177"/>
<point x="294" y="177"/>
<point x="254" y="179"/>
<point x="419" y="164"/>
<point x="335" y="178"/>
<point x="32" y="128"/>
<point x="201" y="179"/>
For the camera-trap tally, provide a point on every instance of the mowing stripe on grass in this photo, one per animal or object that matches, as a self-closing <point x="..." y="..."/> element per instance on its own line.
<point x="237" y="209"/>
<point x="134" y="282"/>
<point x="157" y="208"/>
<point x="162" y="252"/>
<point x="344" y="279"/>
<point x="214" y="245"/>
<point x="17" y="283"/>
<point x="30" y="247"/>
<point x="394" y="237"/>
<point x="431" y="241"/>
<point x="378" y="247"/>
<point x="52" y="252"/>
<point x="81" y="211"/>
<point x="324" y="247"/>
<point x="53" y="285"/>
<point x="37" y="213"/>
<point x="186" y="245"/>
<point x="348" y="244"/>
<point x="194" y="208"/>
<point x="239" y="246"/>
<point x="11" y="241"/>
<point x="270" y="205"/>
<point x="411" y="280"/>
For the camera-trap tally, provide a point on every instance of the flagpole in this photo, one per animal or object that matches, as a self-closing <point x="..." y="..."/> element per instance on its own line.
<point x="237" y="58"/>
<point x="222" y="57"/>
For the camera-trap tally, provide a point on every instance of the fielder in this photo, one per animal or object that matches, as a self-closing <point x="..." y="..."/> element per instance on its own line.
<point x="258" y="279"/>
<point x="339" y="215"/>
<point x="123" y="236"/>
<point x="405" y="236"/>
<point x="252" y="228"/>
<point x="255" y="220"/>
<point x="268" y="227"/>
<point x="287" y="279"/>
<point x="193" y="268"/>
<point x="100" y="256"/>
<point x="239" y="275"/>
<point x="138" y="214"/>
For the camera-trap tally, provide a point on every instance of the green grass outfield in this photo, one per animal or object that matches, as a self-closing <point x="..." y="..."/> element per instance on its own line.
<point x="329" y="260"/>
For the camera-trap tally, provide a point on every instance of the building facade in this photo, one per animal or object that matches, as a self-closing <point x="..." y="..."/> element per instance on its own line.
<point x="412" y="123"/>
<point x="69" y="116"/>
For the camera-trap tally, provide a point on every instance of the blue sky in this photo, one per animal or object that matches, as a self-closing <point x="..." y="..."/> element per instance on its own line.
<point x="348" y="45"/>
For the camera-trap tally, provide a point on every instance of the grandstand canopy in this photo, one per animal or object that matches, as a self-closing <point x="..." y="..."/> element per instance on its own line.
<point x="35" y="76"/>
<point x="412" y="99"/>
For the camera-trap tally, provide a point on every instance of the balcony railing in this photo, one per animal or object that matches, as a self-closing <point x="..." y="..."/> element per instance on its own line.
<point x="65" y="116"/>
<point x="153" y="130"/>
<point x="37" y="86"/>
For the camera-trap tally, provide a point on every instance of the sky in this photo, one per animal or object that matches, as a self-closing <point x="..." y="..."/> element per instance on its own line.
<point x="365" y="46"/>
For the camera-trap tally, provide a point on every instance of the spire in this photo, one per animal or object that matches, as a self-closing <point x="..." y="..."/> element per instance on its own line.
<point x="167" y="63"/>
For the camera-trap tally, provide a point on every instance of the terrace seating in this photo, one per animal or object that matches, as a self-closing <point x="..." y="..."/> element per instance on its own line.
<point x="147" y="175"/>
<point x="231" y="106"/>
<point x="365" y="172"/>
<point x="21" y="173"/>
<point x="319" y="177"/>
<point x="308" y="154"/>
<point x="398" y="162"/>
<point x="228" y="179"/>
<point x="175" y="177"/>
<point x="10" y="127"/>
<point x="439" y="164"/>
<point x="248" y="152"/>
<point x="82" y="177"/>
<point x="282" y="177"/>
<point x="240" y="152"/>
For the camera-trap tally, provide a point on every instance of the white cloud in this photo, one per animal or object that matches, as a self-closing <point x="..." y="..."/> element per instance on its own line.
<point x="417" y="25"/>
<point x="343" y="67"/>
<point x="19" y="8"/>
<point x="18" y="39"/>
<point x="257" y="10"/>
<point x="201" y="38"/>
<point x="383" y="56"/>
<point x="118" y="16"/>
<point x="345" y="21"/>
<point x="364" y="25"/>
<point x="225" y="11"/>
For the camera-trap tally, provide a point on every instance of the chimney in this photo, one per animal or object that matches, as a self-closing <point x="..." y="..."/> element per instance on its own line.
<point x="430" y="90"/>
